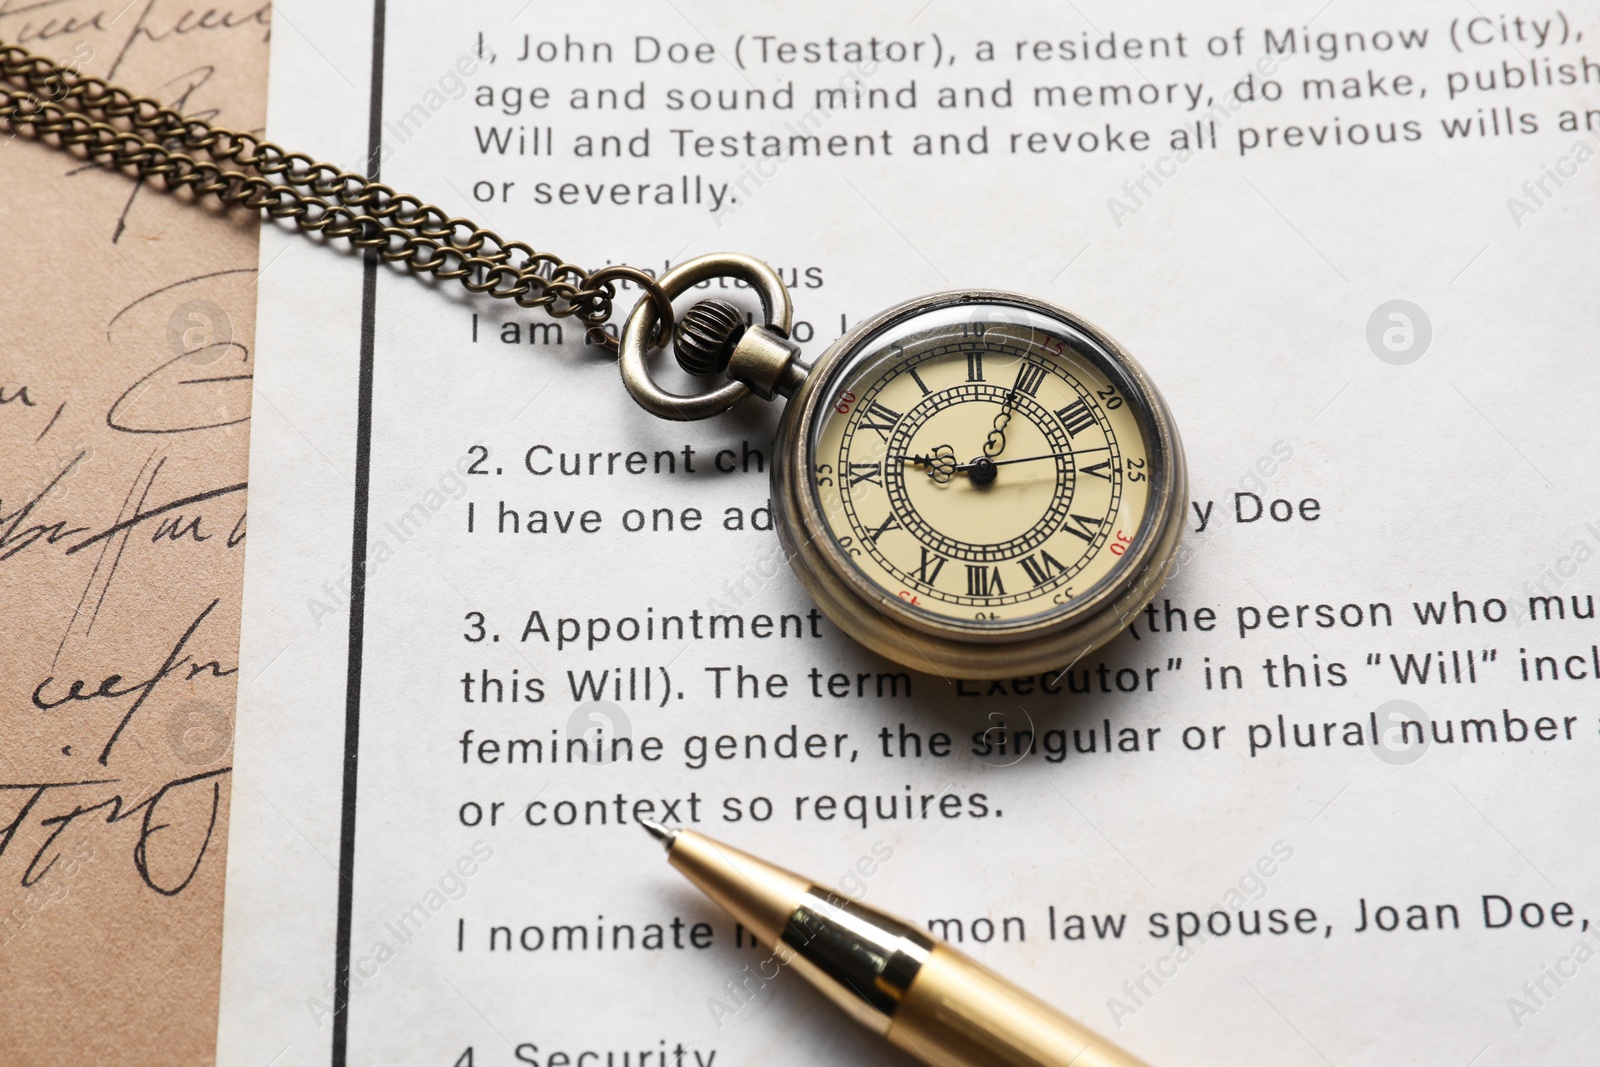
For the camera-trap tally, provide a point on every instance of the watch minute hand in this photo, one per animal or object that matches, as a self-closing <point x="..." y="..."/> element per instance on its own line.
<point x="963" y="467"/>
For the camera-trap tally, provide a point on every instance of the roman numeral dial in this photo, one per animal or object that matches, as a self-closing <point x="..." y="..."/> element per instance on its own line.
<point x="979" y="471"/>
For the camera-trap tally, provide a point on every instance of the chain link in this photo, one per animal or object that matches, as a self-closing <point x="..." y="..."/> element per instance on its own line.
<point x="113" y="128"/>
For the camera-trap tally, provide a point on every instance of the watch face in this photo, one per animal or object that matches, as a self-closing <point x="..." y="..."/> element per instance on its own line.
<point x="982" y="463"/>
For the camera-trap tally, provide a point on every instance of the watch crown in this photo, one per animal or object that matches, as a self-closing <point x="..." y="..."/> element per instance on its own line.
<point x="705" y="337"/>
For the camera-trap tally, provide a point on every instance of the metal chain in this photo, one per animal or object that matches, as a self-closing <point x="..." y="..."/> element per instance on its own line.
<point x="78" y="112"/>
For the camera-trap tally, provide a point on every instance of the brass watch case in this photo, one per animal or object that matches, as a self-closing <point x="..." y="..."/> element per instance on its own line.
<point x="977" y="650"/>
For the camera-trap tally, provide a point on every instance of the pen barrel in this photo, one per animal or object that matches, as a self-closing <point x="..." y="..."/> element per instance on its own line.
<point x="958" y="1013"/>
<point x="942" y="1007"/>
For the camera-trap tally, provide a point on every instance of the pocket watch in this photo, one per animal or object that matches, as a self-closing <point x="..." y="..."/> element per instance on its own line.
<point x="975" y="484"/>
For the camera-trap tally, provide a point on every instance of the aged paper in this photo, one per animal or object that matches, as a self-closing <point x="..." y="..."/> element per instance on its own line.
<point x="1325" y="802"/>
<point x="125" y="367"/>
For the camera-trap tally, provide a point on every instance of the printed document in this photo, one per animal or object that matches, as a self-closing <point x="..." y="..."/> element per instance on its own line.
<point x="1327" y="800"/>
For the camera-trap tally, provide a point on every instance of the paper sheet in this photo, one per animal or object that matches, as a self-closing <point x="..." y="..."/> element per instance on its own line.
<point x="1354" y="244"/>
<point x="126" y="357"/>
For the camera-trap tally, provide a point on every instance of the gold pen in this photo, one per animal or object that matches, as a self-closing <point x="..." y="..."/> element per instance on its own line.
<point x="923" y="996"/>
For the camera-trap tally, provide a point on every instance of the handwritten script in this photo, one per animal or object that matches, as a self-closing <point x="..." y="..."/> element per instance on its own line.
<point x="126" y="366"/>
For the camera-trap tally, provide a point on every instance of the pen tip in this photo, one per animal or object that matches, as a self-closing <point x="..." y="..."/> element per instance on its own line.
<point x="659" y="832"/>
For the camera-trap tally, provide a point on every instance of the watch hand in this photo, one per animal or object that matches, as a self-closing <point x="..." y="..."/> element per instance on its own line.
<point x="995" y="443"/>
<point x="962" y="468"/>
<point x="981" y="471"/>
<point x="941" y="464"/>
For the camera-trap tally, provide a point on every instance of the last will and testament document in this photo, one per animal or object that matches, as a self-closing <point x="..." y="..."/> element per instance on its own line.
<point x="1326" y="801"/>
